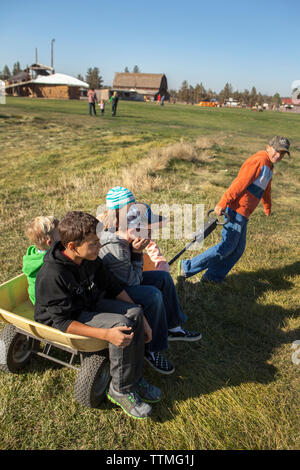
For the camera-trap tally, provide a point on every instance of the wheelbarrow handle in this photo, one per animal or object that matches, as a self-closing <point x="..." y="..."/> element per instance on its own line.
<point x="223" y="213"/>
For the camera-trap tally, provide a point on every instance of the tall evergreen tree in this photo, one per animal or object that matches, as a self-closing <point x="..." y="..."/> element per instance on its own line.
<point x="16" y="68"/>
<point x="93" y="78"/>
<point x="5" y="73"/>
<point x="136" y="69"/>
<point x="184" y="92"/>
<point x="200" y="93"/>
<point x="226" y="93"/>
<point x="276" y="99"/>
<point x="126" y="70"/>
<point x="253" y="96"/>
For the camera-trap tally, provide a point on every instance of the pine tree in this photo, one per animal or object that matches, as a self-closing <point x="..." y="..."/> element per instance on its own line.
<point x="126" y="70"/>
<point x="184" y="92"/>
<point x="80" y="77"/>
<point x="93" y="78"/>
<point x="5" y="73"/>
<point x="226" y="93"/>
<point x="136" y="69"/>
<point x="276" y="99"/>
<point x="16" y="68"/>
<point x="253" y="96"/>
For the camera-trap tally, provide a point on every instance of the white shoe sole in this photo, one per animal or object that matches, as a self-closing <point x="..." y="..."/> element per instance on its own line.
<point x="160" y="371"/>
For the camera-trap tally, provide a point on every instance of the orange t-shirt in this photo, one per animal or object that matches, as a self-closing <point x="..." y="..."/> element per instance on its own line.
<point x="252" y="184"/>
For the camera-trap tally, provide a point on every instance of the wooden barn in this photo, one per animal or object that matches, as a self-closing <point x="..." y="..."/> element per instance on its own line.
<point x="58" y="85"/>
<point x="139" y="86"/>
<point x="37" y="82"/>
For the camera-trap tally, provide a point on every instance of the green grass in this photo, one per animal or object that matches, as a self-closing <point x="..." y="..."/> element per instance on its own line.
<point x="237" y="388"/>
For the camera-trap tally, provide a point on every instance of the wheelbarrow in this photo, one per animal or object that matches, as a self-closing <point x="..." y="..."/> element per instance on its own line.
<point x="23" y="337"/>
<point x="209" y="226"/>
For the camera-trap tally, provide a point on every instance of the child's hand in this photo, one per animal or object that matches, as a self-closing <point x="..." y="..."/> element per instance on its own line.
<point x="218" y="210"/>
<point x="139" y="244"/>
<point x="117" y="336"/>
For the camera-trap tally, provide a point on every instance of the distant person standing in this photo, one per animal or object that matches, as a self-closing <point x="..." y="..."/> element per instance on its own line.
<point x="102" y="107"/>
<point x="92" y="100"/>
<point x="114" y="101"/>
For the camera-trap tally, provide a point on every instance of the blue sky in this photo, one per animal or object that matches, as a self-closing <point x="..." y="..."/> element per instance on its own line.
<point x="250" y="43"/>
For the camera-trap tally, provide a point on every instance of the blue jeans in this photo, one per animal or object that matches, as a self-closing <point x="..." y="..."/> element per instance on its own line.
<point x="158" y="297"/>
<point x="219" y="259"/>
<point x="92" y="107"/>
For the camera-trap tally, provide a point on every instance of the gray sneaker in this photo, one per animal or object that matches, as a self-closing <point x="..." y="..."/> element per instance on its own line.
<point x="130" y="403"/>
<point x="148" y="392"/>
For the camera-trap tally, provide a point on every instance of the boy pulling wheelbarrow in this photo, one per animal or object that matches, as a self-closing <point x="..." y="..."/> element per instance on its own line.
<point x="252" y="184"/>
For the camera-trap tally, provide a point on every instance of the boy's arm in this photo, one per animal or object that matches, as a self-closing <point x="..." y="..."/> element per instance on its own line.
<point x="248" y="173"/>
<point x="127" y="267"/>
<point x="156" y="256"/>
<point x="266" y="199"/>
<point x="120" y="336"/>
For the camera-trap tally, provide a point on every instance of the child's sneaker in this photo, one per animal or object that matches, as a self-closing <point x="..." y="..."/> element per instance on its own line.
<point x="148" y="392"/>
<point x="130" y="402"/>
<point x="159" y="363"/>
<point x="184" y="335"/>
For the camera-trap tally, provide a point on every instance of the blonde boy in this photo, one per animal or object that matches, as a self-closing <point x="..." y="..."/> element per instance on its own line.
<point x="42" y="233"/>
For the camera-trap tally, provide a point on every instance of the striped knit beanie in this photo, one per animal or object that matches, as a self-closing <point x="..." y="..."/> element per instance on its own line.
<point x="118" y="197"/>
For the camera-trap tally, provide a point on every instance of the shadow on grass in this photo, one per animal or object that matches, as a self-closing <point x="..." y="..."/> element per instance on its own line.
<point x="240" y="335"/>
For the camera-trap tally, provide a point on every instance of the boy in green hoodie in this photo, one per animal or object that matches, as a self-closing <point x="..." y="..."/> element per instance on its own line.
<point x="42" y="233"/>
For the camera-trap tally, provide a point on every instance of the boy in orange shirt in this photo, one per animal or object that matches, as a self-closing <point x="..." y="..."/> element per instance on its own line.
<point x="252" y="184"/>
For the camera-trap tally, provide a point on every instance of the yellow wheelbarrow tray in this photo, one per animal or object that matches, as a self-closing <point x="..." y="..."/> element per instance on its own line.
<point x="23" y="337"/>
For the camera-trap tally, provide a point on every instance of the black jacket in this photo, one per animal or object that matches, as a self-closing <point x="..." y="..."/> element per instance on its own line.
<point x="63" y="289"/>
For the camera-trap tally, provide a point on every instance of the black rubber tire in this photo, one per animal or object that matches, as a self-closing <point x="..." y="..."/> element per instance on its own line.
<point x="92" y="380"/>
<point x="15" y="349"/>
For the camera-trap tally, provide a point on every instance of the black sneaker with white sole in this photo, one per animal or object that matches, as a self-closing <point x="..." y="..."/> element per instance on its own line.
<point x="159" y="363"/>
<point x="184" y="335"/>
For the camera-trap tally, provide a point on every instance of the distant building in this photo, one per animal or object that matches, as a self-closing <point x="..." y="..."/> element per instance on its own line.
<point x="231" y="103"/>
<point x="296" y="96"/>
<point x="140" y="86"/>
<point x="39" y="81"/>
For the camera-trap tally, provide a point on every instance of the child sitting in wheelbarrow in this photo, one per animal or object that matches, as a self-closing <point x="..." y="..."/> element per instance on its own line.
<point x="77" y="294"/>
<point x="122" y="252"/>
<point x="42" y="233"/>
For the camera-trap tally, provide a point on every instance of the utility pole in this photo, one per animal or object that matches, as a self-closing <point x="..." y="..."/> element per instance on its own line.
<point x="52" y="54"/>
<point x="36" y="56"/>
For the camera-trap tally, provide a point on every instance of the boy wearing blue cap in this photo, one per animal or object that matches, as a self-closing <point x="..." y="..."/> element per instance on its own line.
<point x="122" y="252"/>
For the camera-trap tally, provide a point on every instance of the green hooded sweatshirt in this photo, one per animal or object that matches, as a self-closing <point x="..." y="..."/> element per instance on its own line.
<point x="32" y="262"/>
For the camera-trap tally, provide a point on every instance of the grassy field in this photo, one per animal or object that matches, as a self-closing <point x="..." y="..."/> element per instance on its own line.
<point x="236" y="389"/>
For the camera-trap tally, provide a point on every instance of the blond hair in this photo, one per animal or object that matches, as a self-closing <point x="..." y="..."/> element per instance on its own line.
<point x="41" y="229"/>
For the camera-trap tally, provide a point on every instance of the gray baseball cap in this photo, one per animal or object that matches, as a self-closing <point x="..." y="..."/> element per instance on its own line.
<point x="280" y="144"/>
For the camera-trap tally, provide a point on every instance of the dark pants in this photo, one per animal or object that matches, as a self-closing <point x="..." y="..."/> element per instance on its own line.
<point x="114" y="109"/>
<point x="92" y="106"/>
<point x="158" y="297"/>
<point x="126" y="364"/>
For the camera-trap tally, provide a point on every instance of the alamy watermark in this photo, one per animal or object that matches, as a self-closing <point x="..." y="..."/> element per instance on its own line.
<point x="2" y="92"/>
<point x="165" y="221"/>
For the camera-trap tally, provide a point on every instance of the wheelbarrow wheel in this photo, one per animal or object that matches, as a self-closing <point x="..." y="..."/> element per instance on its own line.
<point x="15" y="349"/>
<point x="92" y="380"/>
